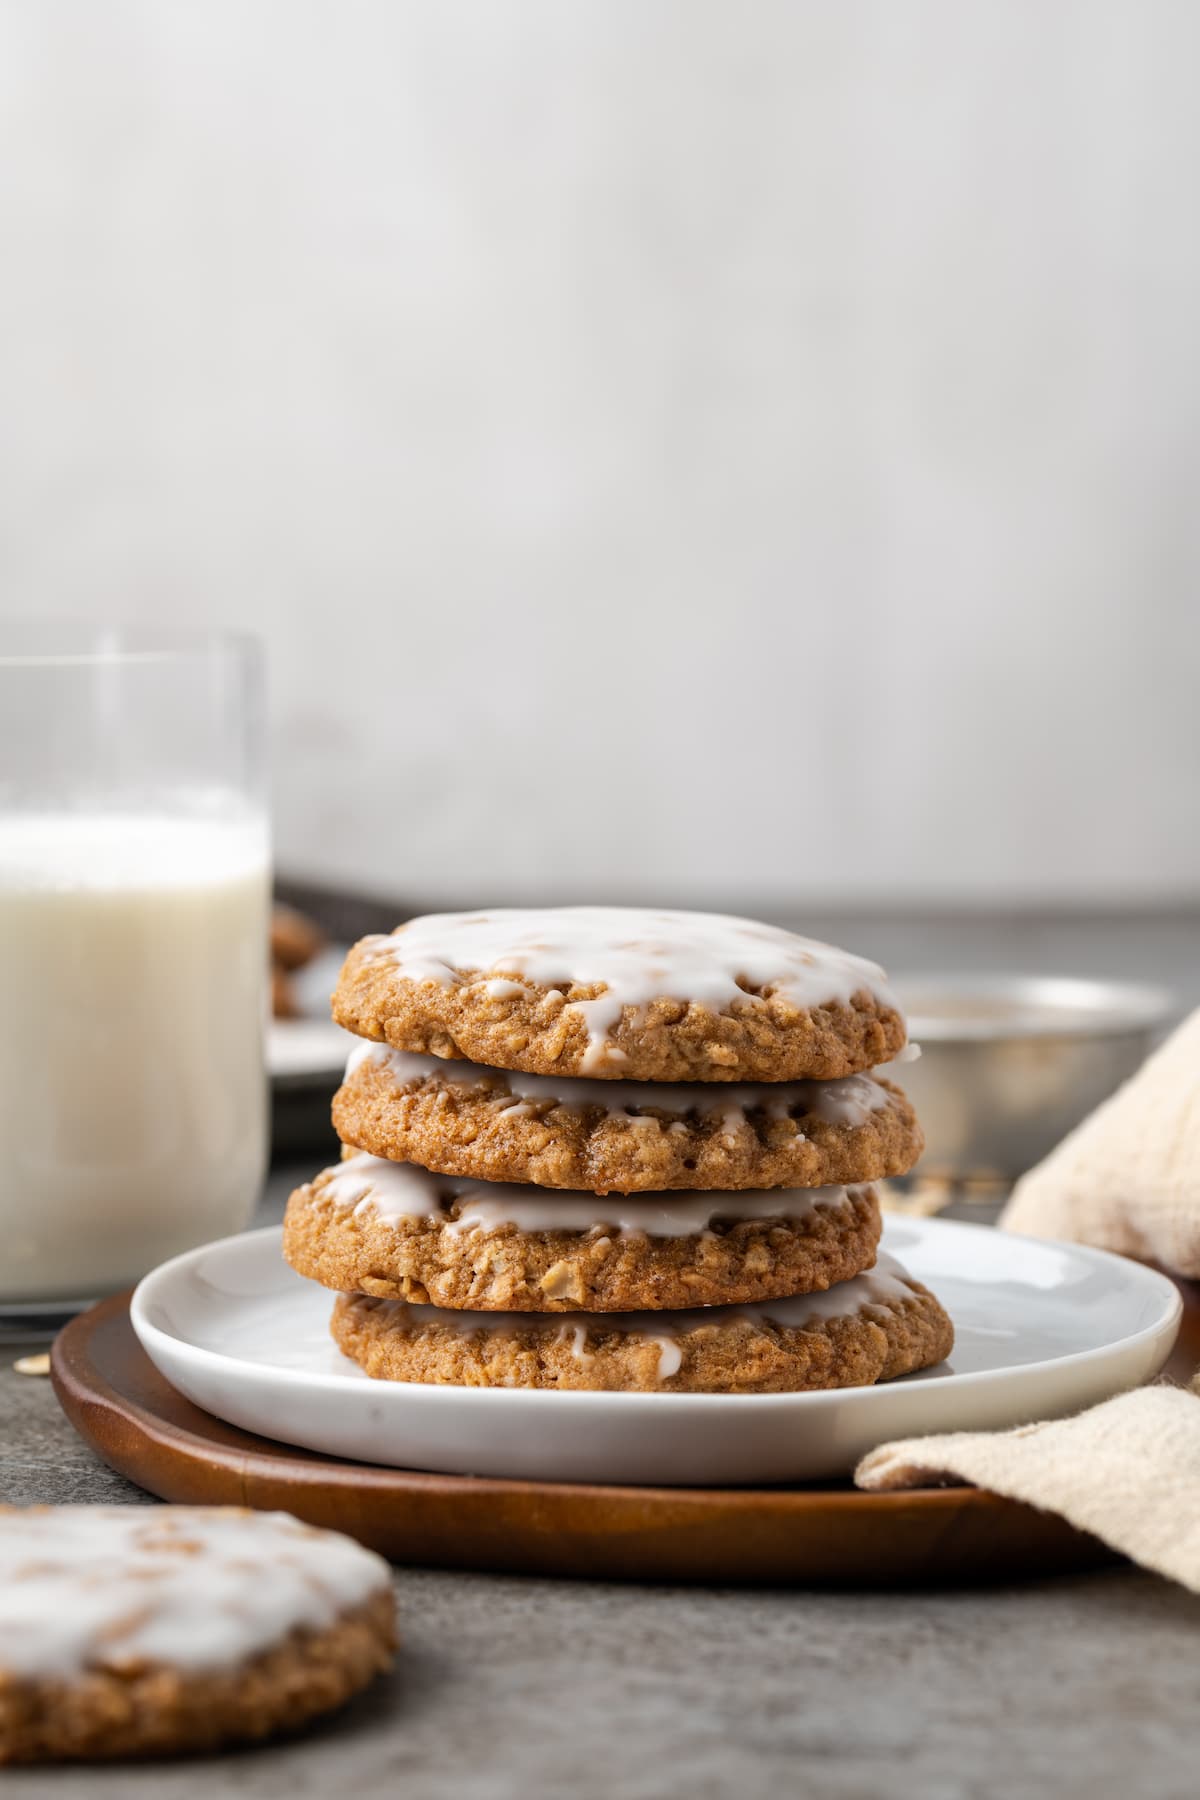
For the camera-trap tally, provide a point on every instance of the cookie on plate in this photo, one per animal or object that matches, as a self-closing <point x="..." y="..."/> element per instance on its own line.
<point x="623" y="1137"/>
<point x="620" y="993"/>
<point x="870" y="1329"/>
<point x="395" y="1230"/>
<point x="129" y="1631"/>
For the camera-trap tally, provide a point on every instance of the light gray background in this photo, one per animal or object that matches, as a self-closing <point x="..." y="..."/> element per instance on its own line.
<point x="672" y="447"/>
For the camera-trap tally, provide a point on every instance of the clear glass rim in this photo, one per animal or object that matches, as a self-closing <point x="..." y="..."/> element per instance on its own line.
<point x="66" y="643"/>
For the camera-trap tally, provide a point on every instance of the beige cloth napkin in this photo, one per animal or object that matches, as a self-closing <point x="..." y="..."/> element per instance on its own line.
<point x="1127" y="1470"/>
<point x="1128" y="1178"/>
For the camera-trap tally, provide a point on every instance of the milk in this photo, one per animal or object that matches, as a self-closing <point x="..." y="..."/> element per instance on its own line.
<point x="132" y="998"/>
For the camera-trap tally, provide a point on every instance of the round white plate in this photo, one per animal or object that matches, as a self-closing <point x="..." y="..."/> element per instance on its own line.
<point x="303" y="1051"/>
<point x="1042" y="1329"/>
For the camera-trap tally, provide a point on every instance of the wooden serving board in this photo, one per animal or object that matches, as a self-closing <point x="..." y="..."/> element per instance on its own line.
<point x="143" y="1428"/>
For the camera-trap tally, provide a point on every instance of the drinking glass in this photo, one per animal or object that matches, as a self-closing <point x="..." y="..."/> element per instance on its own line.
<point x="134" y="894"/>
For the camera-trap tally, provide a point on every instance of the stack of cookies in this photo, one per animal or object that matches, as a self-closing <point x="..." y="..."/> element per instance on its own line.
<point x="597" y="1147"/>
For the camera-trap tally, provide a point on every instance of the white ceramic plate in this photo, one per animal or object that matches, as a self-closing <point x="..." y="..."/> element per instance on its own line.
<point x="1042" y="1329"/>
<point x="301" y="1052"/>
<point x="310" y="1051"/>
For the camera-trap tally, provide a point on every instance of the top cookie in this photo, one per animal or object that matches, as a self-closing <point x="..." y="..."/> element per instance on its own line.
<point x="617" y="992"/>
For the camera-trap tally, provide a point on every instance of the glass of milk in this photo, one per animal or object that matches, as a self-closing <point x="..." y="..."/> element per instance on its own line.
<point x="134" y="888"/>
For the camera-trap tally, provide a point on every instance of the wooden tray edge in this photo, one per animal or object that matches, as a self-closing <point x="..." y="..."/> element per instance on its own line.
<point x="146" y="1431"/>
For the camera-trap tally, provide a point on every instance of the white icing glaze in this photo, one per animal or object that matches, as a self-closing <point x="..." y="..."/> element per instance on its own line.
<point x="370" y="1185"/>
<point x="394" y="1191"/>
<point x="849" y="1100"/>
<point x="639" y="955"/>
<point x="670" y="1357"/>
<point x="198" y="1587"/>
<point x="362" y="1053"/>
<point x="885" y="1285"/>
<point x="576" y="1336"/>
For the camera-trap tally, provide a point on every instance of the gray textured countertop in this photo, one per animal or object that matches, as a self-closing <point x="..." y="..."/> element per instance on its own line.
<point x="1087" y="1686"/>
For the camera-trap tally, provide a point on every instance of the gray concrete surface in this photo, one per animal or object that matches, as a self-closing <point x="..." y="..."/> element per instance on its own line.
<point x="509" y="1687"/>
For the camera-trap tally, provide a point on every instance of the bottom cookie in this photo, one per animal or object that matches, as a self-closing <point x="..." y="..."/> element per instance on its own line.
<point x="129" y="1631"/>
<point x="872" y="1328"/>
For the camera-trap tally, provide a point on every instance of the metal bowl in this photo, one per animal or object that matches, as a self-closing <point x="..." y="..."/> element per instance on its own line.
<point x="1010" y="1063"/>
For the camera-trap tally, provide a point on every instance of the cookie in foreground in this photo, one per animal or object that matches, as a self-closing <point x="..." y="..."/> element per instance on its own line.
<point x="870" y="1329"/>
<point x="618" y="992"/>
<point x="397" y="1231"/>
<point x="130" y="1631"/>
<point x="622" y="1137"/>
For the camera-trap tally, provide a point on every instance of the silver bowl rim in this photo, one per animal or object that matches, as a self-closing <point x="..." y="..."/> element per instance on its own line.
<point x="1103" y="1008"/>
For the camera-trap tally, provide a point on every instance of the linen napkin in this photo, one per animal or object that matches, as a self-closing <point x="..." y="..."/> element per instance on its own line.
<point x="1128" y="1177"/>
<point x="1128" y="1470"/>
